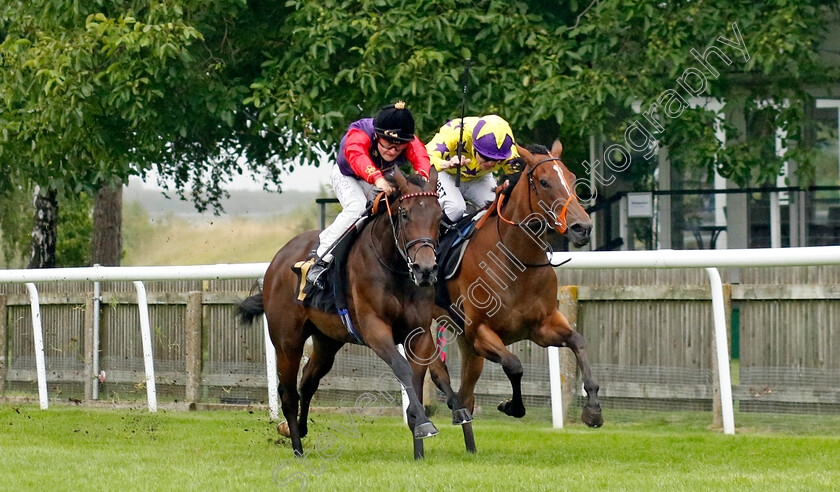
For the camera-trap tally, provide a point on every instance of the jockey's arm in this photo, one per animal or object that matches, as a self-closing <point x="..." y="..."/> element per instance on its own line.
<point x="442" y="147"/>
<point x="356" y="149"/>
<point x="509" y="166"/>
<point x="418" y="157"/>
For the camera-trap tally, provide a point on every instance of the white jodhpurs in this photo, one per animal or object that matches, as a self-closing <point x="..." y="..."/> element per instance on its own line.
<point x="353" y="194"/>
<point x="480" y="192"/>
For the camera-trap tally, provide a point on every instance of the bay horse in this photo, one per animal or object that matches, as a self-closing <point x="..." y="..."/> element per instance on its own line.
<point x="391" y="270"/>
<point x="506" y="291"/>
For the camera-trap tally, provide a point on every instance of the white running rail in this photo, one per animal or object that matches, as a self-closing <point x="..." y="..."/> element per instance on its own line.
<point x="710" y="260"/>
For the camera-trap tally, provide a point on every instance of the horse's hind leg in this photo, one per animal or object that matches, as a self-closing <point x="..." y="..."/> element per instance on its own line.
<point x="556" y="331"/>
<point x="288" y="362"/>
<point x="319" y="364"/>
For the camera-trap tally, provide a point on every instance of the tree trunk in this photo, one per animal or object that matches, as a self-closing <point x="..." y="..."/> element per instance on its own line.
<point x="106" y="247"/>
<point x="44" y="230"/>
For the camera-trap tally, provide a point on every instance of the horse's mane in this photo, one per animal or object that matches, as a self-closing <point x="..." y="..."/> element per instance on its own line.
<point x="415" y="179"/>
<point x="519" y="163"/>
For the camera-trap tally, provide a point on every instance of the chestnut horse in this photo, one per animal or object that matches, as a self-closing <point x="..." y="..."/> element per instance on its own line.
<point x="391" y="270"/>
<point x="506" y="291"/>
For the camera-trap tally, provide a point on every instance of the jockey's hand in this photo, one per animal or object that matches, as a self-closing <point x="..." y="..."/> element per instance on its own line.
<point x="453" y="162"/>
<point x="385" y="186"/>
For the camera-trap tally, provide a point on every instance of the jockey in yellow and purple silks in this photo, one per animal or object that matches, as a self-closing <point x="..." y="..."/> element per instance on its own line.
<point x="487" y="146"/>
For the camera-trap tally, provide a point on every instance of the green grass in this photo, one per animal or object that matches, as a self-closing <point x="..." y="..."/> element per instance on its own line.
<point x="75" y="448"/>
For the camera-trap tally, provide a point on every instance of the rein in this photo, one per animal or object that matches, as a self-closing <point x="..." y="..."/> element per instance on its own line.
<point x="560" y="220"/>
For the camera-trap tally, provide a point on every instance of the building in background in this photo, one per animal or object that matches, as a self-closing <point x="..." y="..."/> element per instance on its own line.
<point x="689" y="210"/>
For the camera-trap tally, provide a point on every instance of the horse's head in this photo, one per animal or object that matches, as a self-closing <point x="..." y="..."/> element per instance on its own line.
<point x="553" y="187"/>
<point x="417" y="220"/>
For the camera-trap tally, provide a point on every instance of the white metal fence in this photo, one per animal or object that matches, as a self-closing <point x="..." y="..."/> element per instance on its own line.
<point x="709" y="260"/>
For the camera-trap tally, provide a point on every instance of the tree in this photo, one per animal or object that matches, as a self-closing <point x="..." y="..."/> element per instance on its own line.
<point x="199" y="91"/>
<point x="96" y="93"/>
<point x="572" y="70"/>
<point x="106" y="247"/>
<point x="44" y="232"/>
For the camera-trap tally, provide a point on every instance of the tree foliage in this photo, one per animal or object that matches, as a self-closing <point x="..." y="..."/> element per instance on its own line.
<point x="573" y="69"/>
<point x="80" y="88"/>
<point x="201" y="90"/>
<point x="111" y="88"/>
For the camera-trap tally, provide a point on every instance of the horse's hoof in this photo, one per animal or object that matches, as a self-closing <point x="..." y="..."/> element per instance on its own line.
<point x="283" y="429"/>
<point x="424" y="430"/>
<point x="508" y="408"/>
<point x="461" y="416"/>
<point x="592" y="418"/>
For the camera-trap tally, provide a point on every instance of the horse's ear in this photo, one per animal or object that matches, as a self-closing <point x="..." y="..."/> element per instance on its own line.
<point x="526" y="156"/>
<point x="556" y="149"/>
<point x="433" y="177"/>
<point x="401" y="181"/>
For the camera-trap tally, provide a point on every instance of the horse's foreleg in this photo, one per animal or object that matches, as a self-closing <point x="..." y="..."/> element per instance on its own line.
<point x="418" y="375"/>
<point x="380" y="338"/>
<point x="319" y="364"/>
<point x="460" y="415"/>
<point x="557" y="332"/>
<point x="488" y="345"/>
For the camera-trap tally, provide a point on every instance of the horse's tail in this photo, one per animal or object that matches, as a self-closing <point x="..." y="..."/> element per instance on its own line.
<point x="250" y="308"/>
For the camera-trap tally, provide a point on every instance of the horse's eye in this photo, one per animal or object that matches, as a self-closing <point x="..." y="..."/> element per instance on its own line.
<point x="403" y="214"/>
<point x="544" y="183"/>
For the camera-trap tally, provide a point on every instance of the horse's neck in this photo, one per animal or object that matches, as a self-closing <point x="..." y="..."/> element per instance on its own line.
<point x="516" y="238"/>
<point x="382" y="237"/>
<point x="518" y="204"/>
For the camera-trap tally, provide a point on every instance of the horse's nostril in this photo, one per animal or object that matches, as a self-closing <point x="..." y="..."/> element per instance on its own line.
<point x="580" y="229"/>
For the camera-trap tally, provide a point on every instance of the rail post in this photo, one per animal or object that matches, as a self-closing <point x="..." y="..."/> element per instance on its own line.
<point x="89" y="371"/>
<point x="193" y="321"/>
<point x="4" y="347"/>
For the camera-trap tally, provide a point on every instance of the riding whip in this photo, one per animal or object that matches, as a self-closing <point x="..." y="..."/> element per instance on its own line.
<point x="463" y="109"/>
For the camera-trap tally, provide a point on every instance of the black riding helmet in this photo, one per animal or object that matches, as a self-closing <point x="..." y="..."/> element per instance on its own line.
<point x="394" y="123"/>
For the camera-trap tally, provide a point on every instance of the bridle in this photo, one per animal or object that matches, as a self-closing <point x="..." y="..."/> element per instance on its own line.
<point x="398" y="232"/>
<point x="559" y="220"/>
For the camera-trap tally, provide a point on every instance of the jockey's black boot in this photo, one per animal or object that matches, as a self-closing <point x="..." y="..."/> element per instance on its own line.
<point x="316" y="271"/>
